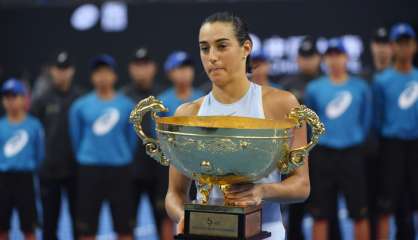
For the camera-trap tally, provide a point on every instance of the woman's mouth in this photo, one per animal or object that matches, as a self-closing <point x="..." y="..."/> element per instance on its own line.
<point x="215" y="69"/>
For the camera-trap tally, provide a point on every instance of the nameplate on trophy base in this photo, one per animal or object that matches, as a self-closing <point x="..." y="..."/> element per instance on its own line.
<point x="222" y="222"/>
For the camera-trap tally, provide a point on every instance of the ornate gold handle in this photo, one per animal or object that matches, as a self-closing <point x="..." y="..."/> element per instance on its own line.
<point x="296" y="157"/>
<point x="153" y="105"/>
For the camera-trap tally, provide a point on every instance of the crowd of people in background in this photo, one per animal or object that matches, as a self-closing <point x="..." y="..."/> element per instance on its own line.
<point x="81" y="143"/>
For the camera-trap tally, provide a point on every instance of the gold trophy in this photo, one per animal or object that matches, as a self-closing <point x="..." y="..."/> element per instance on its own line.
<point x="224" y="150"/>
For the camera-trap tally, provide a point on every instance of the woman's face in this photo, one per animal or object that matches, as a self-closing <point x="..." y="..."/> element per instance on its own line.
<point x="222" y="56"/>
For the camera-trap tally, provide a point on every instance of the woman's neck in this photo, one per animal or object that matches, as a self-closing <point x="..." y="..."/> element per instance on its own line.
<point x="16" y="117"/>
<point x="233" y="91"/>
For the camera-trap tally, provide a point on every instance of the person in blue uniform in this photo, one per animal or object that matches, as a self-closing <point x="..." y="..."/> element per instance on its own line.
<point x="21" y="151"/>
<point x="104" y="143"/>
<point x="179" y="67"/>
<point x="396" y="114"/>
<point x="261" y="69"/>
<point x="146" y="171"/>
<point x="344" y="104"/>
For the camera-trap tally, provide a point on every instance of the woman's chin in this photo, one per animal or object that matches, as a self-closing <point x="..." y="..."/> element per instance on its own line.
<point x="218" y="81"/>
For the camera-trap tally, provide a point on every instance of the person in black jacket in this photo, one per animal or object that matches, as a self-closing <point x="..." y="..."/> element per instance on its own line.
<point x="148" y="176"/>
<point x="57" y="171"/>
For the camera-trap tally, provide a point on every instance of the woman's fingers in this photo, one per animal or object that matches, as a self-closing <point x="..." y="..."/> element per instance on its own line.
<point x="180" y="226"/>
<point x="236" y="188"/>
<point x="243" y="202"/>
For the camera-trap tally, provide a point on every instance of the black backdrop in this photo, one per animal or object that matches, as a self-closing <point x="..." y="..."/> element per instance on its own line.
<point x="28" y="35"/>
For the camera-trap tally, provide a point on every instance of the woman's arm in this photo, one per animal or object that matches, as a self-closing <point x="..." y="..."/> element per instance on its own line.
<point x="179" y="185"/>
<point x="296" y="187"/>
<point x="177" y="194"/>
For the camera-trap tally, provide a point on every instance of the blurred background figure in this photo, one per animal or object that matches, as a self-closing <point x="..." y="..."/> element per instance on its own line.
<point x="179" y="68"/>
<point x="104" y="143"/>
<point x="57" y="172"/>
<point x="382" y="54"/>
<point x="149" y="177"/>
<point x="381" y="50"/>
<point x="22" y="149"/>
<point x="396" y="105"/>
<point x="337" y="163"/>
<point x="261" y="69"/>
<point x="308" y="61"/>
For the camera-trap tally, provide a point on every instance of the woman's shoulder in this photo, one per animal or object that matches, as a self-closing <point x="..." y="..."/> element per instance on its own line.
<point x="277" y="103"/>
<point x="189" y="108"/>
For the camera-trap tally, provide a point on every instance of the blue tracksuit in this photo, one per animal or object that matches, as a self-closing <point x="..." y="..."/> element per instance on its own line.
<point x="22" y="144"/>
<point x="345" y="109"/>
<point x="100" y="132"/>
<point x="171" y="101"/>
<point x="396" y="104"/>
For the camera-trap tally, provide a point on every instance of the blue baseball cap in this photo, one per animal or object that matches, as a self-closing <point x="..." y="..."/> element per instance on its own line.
<point x="103" y="60"/>
<point x="401" y="30"/>
<point x="13" y="86"/>
<point x="335" y="45"/>
<point x="177" y="59"/>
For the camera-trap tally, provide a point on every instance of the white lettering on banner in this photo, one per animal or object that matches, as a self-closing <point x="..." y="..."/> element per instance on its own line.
<point x="114" y="17"/>
<point x="282" y="52"/>
<point x="85" y="17"/>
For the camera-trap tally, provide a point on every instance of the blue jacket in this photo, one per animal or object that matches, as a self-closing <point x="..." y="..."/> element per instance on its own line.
<point x="100" y="131"/>
<point x="396" y="104"/>
<point x="345" y="109"/>
<point x="171" y="101"/>
<point x="22" y="144"/>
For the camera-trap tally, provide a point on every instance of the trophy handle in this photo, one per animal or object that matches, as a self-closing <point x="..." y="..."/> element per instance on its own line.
<point x="152" y="105"/>
<point x="295" y="157"/>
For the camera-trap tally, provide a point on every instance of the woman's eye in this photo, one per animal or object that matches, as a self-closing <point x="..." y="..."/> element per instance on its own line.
<point x="222" y="46"/>
<point x="204" y="49"/>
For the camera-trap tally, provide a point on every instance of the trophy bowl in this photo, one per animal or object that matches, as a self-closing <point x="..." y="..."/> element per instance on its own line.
<point x="225" y="150"/>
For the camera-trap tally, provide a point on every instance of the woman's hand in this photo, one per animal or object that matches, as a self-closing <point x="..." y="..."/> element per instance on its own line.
<point x="246" y="194"/>
<point x="180" y="226"/>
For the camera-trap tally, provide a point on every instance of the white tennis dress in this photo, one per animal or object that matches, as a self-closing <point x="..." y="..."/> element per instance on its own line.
<point x="250" y="105"/>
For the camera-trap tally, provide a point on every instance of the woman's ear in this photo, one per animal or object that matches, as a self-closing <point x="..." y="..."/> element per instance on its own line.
<point x="247" y="46"/>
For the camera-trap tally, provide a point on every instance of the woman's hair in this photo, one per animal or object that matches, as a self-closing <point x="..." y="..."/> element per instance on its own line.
<point x="239" y="26"/>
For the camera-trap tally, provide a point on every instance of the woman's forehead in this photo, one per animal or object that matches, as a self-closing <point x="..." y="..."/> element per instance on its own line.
<point x="212" y="32"/>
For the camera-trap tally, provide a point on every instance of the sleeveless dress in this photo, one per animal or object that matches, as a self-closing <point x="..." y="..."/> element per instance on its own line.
<point x="250" y="105"/>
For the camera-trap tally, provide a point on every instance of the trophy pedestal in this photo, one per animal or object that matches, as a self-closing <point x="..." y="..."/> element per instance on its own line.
<point x="216" y="221"/>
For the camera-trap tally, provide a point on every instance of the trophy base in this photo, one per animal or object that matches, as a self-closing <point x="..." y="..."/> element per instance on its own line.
<point x="260" y="236"/>
<point x="218" y="221"/>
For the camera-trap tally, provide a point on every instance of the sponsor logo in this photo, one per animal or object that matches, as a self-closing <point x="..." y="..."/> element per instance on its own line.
<point x="16" y="143"/>
<point x="105" y="123"/>
<point x="339" y="104"/>
<point x="408" y="96"/>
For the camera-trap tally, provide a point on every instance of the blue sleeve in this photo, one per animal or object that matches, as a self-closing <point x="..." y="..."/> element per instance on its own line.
<point x="40" y="143"/>
<point x="163" y="99"/>
<point x="378" y="105"/>
<point x="367" y="109"/>
<point x="75" y="126"/>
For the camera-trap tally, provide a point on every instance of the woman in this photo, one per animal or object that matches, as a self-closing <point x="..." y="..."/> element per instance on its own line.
<point x="225" y="47"/>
